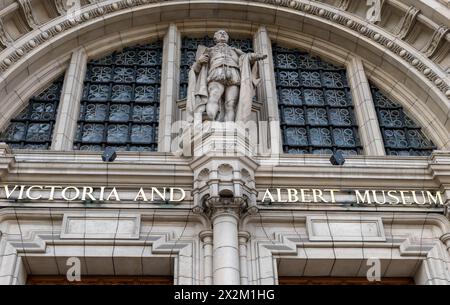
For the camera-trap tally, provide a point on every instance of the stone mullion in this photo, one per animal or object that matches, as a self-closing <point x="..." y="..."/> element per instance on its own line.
<point x="268" y="93"/>
<point x="366" y="115"/>
<point x="68" y="112"/>
<point x="169" y="86"/>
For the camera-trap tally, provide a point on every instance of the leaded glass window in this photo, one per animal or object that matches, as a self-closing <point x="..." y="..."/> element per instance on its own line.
<point x="401" y="135"/>
<point x="189" y="51"/>
<point x="120" y="104"/>
<point x="33" y="127"/>
<point x="316" y="109"/>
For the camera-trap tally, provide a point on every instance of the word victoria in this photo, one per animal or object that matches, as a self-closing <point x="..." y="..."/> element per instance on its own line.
<point x="87" y="193"/>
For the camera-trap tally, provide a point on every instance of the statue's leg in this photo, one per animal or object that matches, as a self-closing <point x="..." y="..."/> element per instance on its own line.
<point x="215" y="91"/>
<point x="231" y="99"/>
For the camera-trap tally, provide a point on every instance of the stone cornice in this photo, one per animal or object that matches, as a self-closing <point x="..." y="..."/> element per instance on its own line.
<point x="44" y="167"/>
<point x="318" y="11"/>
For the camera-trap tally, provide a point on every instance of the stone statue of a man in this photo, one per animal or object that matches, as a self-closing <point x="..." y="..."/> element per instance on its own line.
<point x="222" y="81"/>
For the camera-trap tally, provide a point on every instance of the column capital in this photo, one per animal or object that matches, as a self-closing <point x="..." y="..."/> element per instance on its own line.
<point x="446" y="239"/>
<point x="244" y="237"/>
<point x="206" y="236"/>
<point x="232" y="206"/>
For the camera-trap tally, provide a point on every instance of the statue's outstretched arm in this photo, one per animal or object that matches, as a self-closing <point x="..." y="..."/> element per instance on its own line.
<point x="253" y="56"/>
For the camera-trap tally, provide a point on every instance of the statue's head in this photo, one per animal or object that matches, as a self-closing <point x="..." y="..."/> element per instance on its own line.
<point x="221" y="36"/>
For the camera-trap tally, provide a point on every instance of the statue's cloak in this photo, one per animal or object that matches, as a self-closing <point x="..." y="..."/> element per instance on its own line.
<point x="197" y="92"/>
<point x="249" y="82"/>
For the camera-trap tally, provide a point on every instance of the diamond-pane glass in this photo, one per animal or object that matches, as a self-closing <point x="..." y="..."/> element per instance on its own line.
<point x="316" y="109"/>
<point x="401" y="135"/>
<point x="189" y="51"/>
<point x="33" y="127"/>
<point x="120" y="105"/>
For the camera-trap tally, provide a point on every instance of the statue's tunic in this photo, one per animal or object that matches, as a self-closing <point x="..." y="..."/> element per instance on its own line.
<point x="224" y="65"/>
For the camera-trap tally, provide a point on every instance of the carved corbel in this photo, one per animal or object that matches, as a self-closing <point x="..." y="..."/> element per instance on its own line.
<point x="5" y="39"/>
<point x="60" y="7"/>
<point x="27" y="11"/>
<point x="343" y="4"/>
<point x="407" y="22"/>
<point x="435" y="42"/>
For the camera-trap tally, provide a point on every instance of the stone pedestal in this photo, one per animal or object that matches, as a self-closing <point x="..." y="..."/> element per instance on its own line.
<point x="224" y="191"/>
<point x="223" y="164"/>
<point x="223" y="140"/>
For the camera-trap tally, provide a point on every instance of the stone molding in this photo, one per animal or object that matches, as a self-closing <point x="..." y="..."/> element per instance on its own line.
<point x="318" y="11"/>
<point x="294" y="243"/>
<point x="44" y="243"/>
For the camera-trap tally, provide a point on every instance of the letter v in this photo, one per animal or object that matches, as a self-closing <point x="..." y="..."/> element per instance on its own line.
<point x="7" y="192"/>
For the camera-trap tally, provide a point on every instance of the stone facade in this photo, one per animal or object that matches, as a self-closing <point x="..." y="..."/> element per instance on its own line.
<point x="222" y="233"/>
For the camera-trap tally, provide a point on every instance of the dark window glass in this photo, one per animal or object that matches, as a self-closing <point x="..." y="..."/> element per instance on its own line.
<point x="401" y="135"/>
<point x="189" y="51"/>
<point x="120" y="105"/>
<point x="33" y="127"/>
<point x="316" y="108"/>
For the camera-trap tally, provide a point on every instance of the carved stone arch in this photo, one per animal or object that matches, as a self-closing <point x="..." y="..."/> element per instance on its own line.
<point x="315" y="25"/>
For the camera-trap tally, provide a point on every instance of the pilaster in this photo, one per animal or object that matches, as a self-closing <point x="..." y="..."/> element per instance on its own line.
<point x="169" y="87"/>
<point x="270" y="138"/>
<point x="365" y="112"/>
<point x="207" y="239"/>
<point x="244" y="237"/>
<point x="66" y="122"/>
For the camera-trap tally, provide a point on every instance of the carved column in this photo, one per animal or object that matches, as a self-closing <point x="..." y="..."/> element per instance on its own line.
<point x="243" y="240"/>
<point x="66" y="122"/>
<point x="225" y="213"/>
<point x="207" y="238"/>
<point x="365" y="112"/>
<point x="169" y="87"/>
